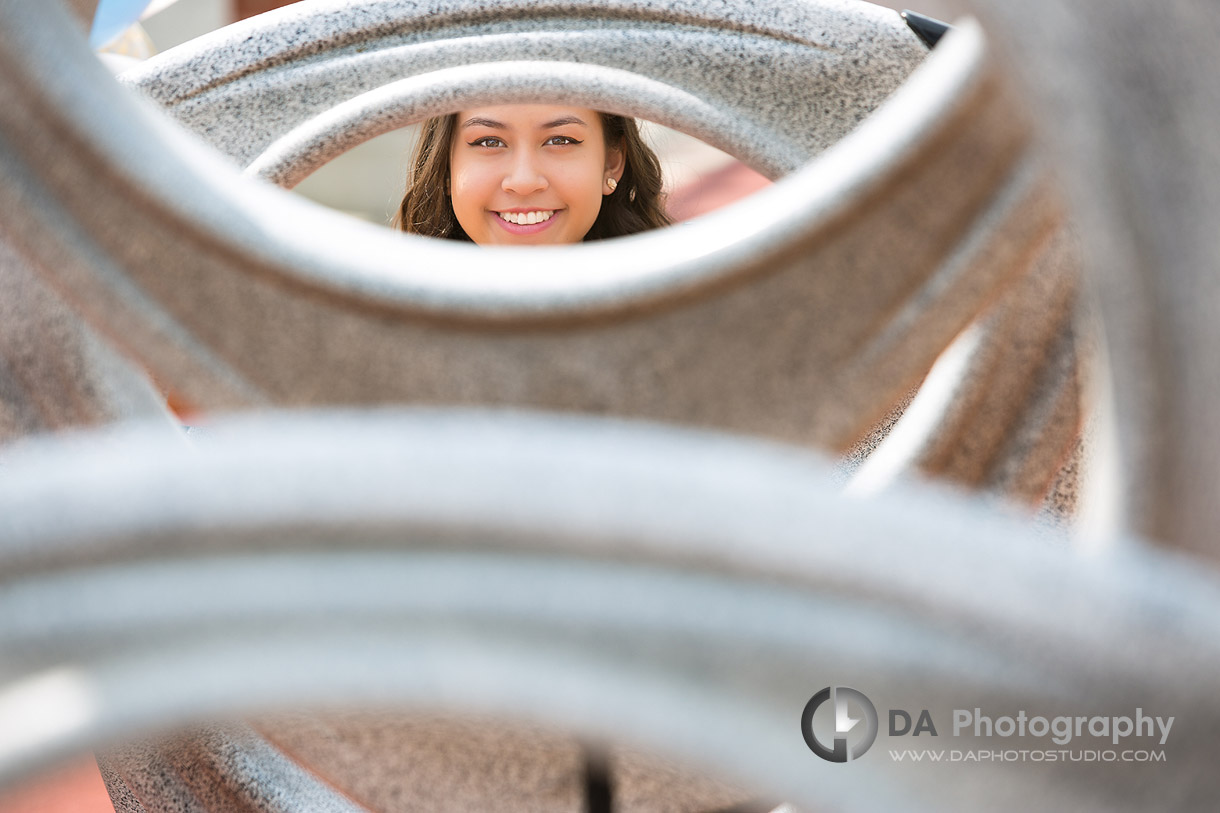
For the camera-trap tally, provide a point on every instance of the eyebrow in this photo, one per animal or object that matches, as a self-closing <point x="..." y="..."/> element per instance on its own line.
<point x="478" y="122"/>
<point x="560" y="122"/>
<point x="495" y="125"/>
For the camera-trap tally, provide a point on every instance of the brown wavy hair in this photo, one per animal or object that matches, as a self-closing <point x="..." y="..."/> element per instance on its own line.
<point x="636" y="205"/>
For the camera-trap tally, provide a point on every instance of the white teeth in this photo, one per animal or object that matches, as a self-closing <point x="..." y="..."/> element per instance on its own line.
<point x="526" y="218"/>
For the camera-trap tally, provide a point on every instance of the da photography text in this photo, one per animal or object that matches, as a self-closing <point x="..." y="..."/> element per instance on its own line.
<point x="848" y="724"/>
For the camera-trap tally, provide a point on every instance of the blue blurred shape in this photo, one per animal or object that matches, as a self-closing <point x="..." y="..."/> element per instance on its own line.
<point x="112" y="18"/>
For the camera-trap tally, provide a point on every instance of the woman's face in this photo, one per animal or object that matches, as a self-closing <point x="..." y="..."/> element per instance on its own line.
<point x="529" y="174"/>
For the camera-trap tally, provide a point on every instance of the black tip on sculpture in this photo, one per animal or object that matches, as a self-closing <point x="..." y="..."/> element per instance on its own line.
<point x="926" y="28"/>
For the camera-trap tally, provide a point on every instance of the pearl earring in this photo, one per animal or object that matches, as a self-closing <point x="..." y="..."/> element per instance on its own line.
<point x="613" y="184"/>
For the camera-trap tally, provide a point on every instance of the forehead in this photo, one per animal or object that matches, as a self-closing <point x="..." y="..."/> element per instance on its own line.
<point x="527" y="117"/>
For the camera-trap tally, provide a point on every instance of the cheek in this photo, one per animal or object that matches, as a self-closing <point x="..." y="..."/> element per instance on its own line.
<point x="466" y="176"/>
<point x="468" y="201"/>
<point x="467" y="189"/>
<point x="584" y="184"/>
<point x="459" y="179"/>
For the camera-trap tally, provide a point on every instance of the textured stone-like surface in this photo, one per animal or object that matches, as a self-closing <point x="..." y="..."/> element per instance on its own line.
<point x="646" y="783"/>
<point x="394" y="762"/>
<point x="1017" y="620"/>
<point x="296" y="154"/>
<point x="667" y="588"/>
<point x="55" y="373"/>
<point x="228" y="768"/>
<point x="1135" y="119"/>
<point x="1002" y="408"/>
<point x="794" y="77"/>
<point x="787" y="315"/>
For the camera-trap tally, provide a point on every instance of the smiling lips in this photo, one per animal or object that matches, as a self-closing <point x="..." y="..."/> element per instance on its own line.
<point x="527" y="218"/>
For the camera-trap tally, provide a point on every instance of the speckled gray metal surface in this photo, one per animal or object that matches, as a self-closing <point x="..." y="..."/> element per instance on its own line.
<point x="998" y="410"/>
<point x="297" y="153"/>
<point x="783" y="80"/>
<point x="226" y="767"/>
<point x="1134" y="116"/>
<point x="397" y="761"/>
<point x="678" y="591"/>
<point x="840" y="323"/>
<point x="55" y="373"/>
<point x="685" y="525"/>
<point x="391" y="760"/>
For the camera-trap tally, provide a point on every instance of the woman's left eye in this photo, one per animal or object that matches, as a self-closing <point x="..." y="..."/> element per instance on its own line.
<point x="559" y="140"/>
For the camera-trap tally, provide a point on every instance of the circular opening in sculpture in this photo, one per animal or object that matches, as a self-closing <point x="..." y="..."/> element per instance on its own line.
<point x="368" y="181"/>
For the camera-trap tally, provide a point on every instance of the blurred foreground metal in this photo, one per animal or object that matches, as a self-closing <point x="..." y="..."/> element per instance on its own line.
<point x="648" y="584"/>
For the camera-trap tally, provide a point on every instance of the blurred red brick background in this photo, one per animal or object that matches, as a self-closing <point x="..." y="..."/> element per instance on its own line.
<point x="74" y="788"/>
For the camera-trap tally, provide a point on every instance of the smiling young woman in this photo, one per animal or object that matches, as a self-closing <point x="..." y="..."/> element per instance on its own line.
<point x="531" y="175"/>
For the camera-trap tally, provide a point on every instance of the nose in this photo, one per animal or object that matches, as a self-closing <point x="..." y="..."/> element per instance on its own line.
<point x="525" y="174"/>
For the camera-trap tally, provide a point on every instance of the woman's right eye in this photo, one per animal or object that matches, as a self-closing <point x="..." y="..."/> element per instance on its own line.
<point x="487" y="141"/>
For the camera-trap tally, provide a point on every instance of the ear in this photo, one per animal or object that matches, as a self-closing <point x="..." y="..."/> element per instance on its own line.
<point x="616" y="163"/>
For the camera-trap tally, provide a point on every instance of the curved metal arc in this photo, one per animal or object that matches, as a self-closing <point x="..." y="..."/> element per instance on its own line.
<point x="314" y="248"/>
<point x="579" y="488"/>
<point x="1165" y="598"/>
<point x="642" y="281"/>
<point x="298" y="153"/>
<point x="220" y="767"/>
<point x="601" y="695"/>
<point x="289" y="33"/>
<point x="94" y="612"/>
<point x="1134" y="116"/>
<point x="475" y="637"/>
<point x="54" y="372"/>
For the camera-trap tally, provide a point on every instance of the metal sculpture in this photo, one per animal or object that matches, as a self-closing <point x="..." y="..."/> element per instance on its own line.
<point x="518" y="535"/>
